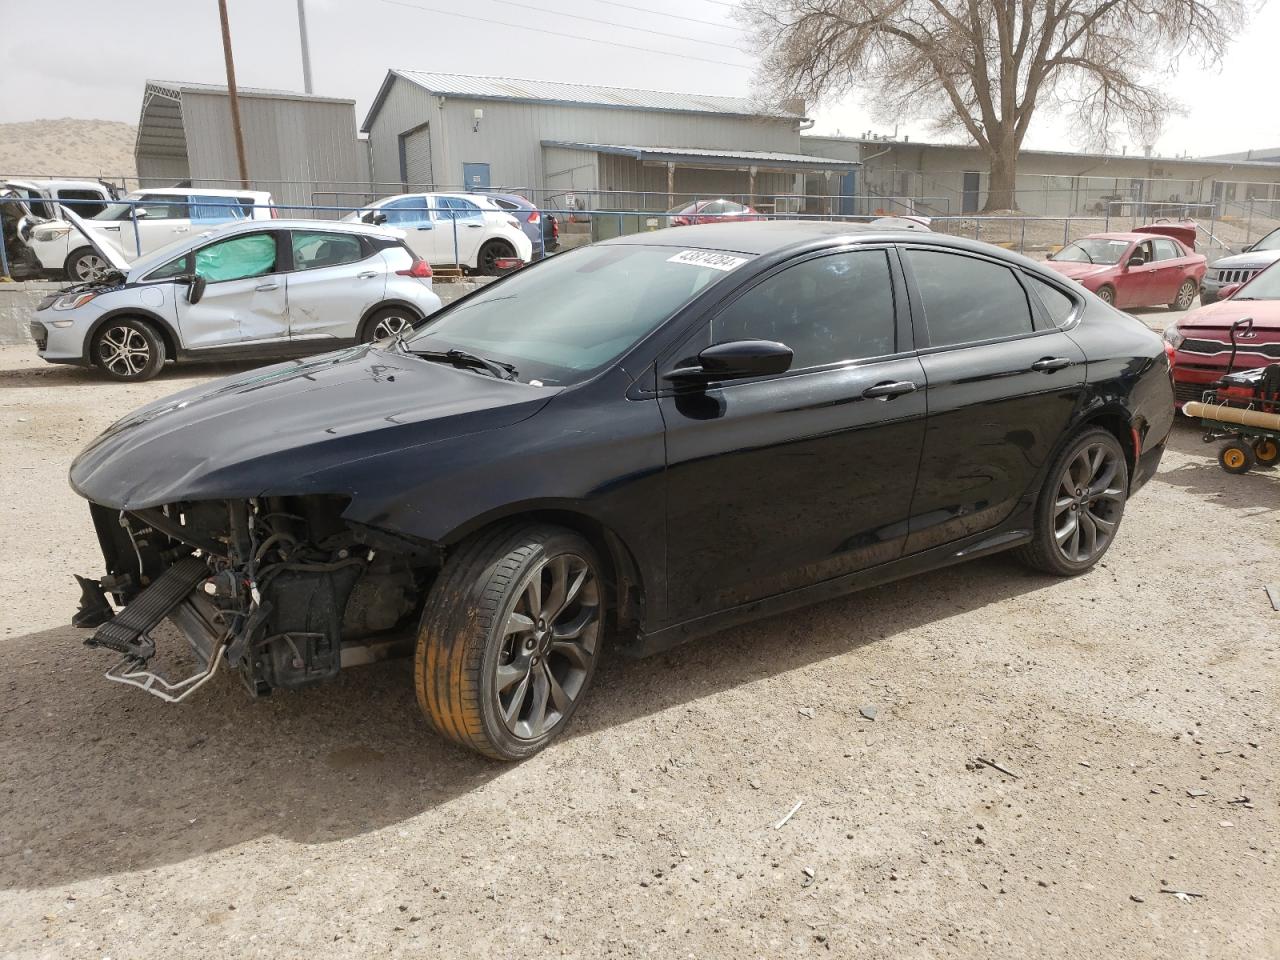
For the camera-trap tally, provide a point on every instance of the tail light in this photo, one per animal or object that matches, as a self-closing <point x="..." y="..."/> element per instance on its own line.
<point x="555" y="227"/>
<point x="420" y="269"/>
<point x="508" y="263"/>
<point x="512" y="221"/>
<point x="534" y="216"/>
<point x="275" y="213"/>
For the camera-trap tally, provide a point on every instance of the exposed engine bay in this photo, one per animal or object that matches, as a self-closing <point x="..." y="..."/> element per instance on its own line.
<point x="282" y="589"/>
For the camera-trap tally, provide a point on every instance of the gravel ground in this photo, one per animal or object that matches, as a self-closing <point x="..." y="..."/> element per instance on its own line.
<point x="1133" y="708"/>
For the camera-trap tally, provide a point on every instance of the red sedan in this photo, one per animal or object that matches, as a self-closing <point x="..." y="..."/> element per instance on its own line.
<point x="1202" y="339"/>
<point x="709" y="211"/>
<point x="1150" y="266"/>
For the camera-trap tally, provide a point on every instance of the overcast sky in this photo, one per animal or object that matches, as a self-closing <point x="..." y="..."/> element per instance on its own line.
<point x="103" y="51"/>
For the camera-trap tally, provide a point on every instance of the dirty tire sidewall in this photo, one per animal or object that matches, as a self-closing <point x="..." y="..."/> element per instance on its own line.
<point x="1185" y="297"/>
<point x="387" y="318"/>
<point x="137" y="335"/>
<point x="460" y="634"/>
<point x="1107" y="295"/>
<point x="1042" y="552"/>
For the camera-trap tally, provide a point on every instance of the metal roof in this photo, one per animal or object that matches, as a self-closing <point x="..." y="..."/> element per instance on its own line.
<point x="582" y="94"/>
<point x="715" y="158"/>
<point x="173" y="90"/>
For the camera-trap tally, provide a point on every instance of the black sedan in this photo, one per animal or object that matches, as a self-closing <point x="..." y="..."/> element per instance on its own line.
<point x="648" y="438"/>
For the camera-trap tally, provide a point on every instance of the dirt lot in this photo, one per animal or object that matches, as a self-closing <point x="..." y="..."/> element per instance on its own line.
<point x="1134" y="705"/>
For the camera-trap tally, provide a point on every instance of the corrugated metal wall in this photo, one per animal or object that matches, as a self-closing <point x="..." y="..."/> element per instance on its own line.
<point x="644" y="186"/>
<point x="509" y="136"/>
<point x="310" y="142"/>
<point x="406" y="107"/>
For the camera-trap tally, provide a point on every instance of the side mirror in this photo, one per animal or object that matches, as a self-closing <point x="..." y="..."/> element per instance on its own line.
<point x="1136" y="260"/>
<point x="140" y="213"/>
<point x="375" y="217"/>
<point x="1246" y="248"/>
<point x="736" y="360"/>
<point x="1229" y="290"/>
<point x="195" y="288"/>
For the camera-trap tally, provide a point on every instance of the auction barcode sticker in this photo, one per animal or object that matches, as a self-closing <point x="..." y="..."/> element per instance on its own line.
<point x="707" y="258"/>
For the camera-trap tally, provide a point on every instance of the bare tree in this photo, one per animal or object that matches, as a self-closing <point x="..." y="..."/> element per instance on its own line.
<point x="985" y="66"/>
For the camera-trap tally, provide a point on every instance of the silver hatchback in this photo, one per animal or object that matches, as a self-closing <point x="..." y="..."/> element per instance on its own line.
<point x="257" y="289"/>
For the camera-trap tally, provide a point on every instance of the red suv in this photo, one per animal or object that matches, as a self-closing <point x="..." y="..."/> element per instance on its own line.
<point x="1202" y="340"/>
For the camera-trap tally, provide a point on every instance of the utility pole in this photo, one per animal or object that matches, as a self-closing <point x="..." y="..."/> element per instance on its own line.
<point x="231" y="94"/>
<point x="306" y="47"/>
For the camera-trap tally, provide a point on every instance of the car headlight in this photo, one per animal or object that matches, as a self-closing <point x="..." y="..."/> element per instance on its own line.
<point x="73" y="300"/>
<point x="1173" y="336"/>
<point x="45" y="234"/>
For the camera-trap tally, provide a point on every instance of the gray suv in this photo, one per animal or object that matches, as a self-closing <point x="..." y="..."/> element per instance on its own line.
<point x="1241" y="267"/>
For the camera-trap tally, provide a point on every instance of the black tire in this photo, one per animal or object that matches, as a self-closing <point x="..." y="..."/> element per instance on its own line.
<point x="1185" y="296"/>
<point x="471" y="640"/>
<point x="1107" y="295"/>
<point x="490" y="254"/>
<point x="1236" y="456"/>
<point x="1266" y="451"/>
<point x="1055" y="512"/>
<point x="128" y="349"/>
<point x="85" y="264"/>
<point x="387" y="323"/>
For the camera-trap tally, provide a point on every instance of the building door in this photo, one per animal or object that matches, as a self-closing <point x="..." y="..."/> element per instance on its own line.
<point x="475" y="177"/>
<point x="848" y="190"/>
<point x="415" y="158"/>
<point x="969" y="197"/>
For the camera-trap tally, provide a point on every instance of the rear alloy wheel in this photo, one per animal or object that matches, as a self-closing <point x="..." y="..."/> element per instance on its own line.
<point x="1266" y="451"/>
<point x="387" y="323"/>
<point x="1237" y="456"/>
<point x="1107" y="295"/>
<point x="128" y="349"/>
<point x="510" y="637"/>
<point x="85" y="264"/>
<point x="1186" y="296"/>
<point x="491" y="253"/>
<point x="1080" y="506"/>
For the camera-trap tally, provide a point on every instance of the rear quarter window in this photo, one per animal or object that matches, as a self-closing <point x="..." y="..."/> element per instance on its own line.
<point x="968" y="300"/>
<point x="1058" y="305"/>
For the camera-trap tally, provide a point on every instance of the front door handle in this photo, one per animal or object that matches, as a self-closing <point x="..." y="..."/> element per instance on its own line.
<point x="367" y="275"/>
<point x="112" y="229"/>
<point x="475" y="226"/>
<point x="889" y="389"/>
<point x="267" y="286"/>
<point x="1050" y="364"/>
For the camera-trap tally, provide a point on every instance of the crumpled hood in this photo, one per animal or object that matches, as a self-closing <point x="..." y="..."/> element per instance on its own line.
<point x="1252" y="258"/>
<point x="266" y="431"/>
<point x="1077" y="271"/>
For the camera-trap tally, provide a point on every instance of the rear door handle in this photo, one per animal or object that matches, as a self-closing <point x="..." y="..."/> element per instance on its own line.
<point x="889" y="389"/>
<point x="112" y="229"/>
<point x="367" y="275"/>
<point x="475" y="226"/>
<point x="267" y="286"/>
<point x="1050" y="364"/>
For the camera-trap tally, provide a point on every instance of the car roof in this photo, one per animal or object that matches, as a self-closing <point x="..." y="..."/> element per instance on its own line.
<point x="55" y="184"/>
<point x="772" y="236"/>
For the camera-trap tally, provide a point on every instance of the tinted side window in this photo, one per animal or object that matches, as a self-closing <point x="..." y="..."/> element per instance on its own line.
<point x="237" y="258"/>
<point x="829" y="309"/>
<point x="1057" y="304"/>
<point x="407" y="210"/>
<point x="87" y="202"/>
<point x="324" y="249"/>
<point x="967" y="299"/>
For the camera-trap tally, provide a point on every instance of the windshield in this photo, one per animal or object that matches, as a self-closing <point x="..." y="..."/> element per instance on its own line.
<point x="1092" y="250"/>
<point x="564" y="319"/>
<point x="1265" y="286"/>
<point x="1270" y="242"/>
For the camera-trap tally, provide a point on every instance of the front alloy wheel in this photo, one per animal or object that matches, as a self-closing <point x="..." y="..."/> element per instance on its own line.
<point x="128" y="349"/>
<point x="391" y="325"/>
<point x="510" y="638"/>
<point x="1080" y="505"/>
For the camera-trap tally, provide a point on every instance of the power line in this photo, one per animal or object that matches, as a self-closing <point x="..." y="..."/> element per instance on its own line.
<point x="615" y="23"/>
<point x="557" y="33"/>
<point x="673" y="16"/>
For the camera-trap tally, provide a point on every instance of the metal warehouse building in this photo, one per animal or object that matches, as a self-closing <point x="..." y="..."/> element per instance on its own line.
<point x="301" y="147"/>
<point x="606" y="147"/>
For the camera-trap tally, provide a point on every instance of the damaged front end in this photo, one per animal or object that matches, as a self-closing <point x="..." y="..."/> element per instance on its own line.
<point x="282" y="589"/>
